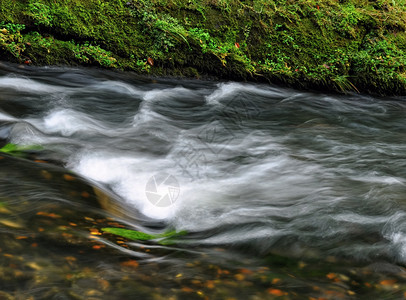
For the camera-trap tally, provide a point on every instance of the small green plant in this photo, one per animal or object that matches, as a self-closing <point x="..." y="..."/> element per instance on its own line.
<point x="346" y="20"/>
<point x="41" y="13"/>
<point x="88" y="53"/>
<point x="11" y="39"/>
<point x="11" y="27"/>
<point x="38" y="39"/>
<point x="143" y="65"/>
<point x="276" y="62"/>
<point x="380" y="57"/>
<point x="207" y="43"/>
<point x="344" y="84"/>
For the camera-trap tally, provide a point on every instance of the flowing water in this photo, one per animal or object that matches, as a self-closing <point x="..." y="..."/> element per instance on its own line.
<point x="281" y="193"/>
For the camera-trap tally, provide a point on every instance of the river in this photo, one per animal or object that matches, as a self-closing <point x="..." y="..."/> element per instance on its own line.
<point x="278" y="193"/>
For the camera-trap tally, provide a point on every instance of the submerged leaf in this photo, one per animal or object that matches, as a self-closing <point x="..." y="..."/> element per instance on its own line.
<point x="130" y="234"/>
<point x="17" y="150"/>
<point x="9" y="148"/>
<point x="138" y="235"/>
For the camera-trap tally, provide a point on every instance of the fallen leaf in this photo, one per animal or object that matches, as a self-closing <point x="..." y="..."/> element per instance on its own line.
<point x="4" y="210"/>
<point x="47" y="214"/>
<point x="11" y="224"/>
<point x="187" y="289"/>
<point x="239" y="277"/>
<point x="34" y="266"/>
<point x="130" y="263"/>
<point x="276" y="292"/>
<point x="68" y="177"/>
<point x="95" y="231"/>
<point x="71" y="258"/>
<point x="104" y="284"/>
<point x="46" y="174"/>
<point x="210" y="284"/>
<point x="275" y="280"/>
<point x="388" y="282"/>
<point x="246" y="271"/>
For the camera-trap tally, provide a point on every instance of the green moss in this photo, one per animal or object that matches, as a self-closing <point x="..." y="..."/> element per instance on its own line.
<point x="344" y="46"/>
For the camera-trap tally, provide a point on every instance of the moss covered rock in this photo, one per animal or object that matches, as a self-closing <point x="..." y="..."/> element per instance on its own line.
<point x="356" y="45"/>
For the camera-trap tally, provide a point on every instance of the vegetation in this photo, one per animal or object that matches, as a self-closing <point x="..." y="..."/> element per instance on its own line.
<point x="19" y="151"/>
<point x="164" y="238"/>
<point x="353" y="45"/>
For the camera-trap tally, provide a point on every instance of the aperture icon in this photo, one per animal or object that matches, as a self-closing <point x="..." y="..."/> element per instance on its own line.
<point x="162" y="190"/>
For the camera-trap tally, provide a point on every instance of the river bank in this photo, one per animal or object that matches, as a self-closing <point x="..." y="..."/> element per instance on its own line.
<point x="348" y="46"/>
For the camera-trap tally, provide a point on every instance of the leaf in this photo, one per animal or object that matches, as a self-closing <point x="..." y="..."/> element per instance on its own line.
<point x="9" y="148"/>
<point x="130" y="234"/>
<point x="17" y="150"/>
<point x="138" y="235"/>
<point x="276" y="292"/>
<point x="150" y="61"/>
<point x="130" y="263"/>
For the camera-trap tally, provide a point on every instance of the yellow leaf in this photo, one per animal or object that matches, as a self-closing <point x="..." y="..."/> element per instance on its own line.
<point x="11" y="224"/>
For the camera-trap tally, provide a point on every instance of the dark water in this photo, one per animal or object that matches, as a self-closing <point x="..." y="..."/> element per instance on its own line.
<point x="283" y="194"/>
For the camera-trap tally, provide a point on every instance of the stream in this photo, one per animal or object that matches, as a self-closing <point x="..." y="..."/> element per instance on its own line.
<point x="275" y="193"/>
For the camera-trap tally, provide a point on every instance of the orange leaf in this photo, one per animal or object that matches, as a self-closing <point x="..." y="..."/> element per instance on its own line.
<point x="187" y="289"/>
<point x="130" y="263"/>
<point x="71" y="258"/>
<point x="150" y="61"/>
<point x="210" y="284"/>
<point x="68" y="177"/>
<point x="245" y="271"/>
<point x="275" y="280"/>
<point x="95" y="231"/>
<point x="388" y="282"/>
<point x="276" y="292"/>
<point x="239" y="277"/>
<point x="46" y="214"/>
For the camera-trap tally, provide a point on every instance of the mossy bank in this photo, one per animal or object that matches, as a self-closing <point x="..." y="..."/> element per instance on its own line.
<point x="331" y="45"/>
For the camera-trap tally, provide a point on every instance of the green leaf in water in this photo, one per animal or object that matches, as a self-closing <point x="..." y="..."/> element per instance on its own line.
<point x="130" y="234"/>
<point x="9" y="148"/>
<point x="18" y="150"/>
<point x="138" y="235"/>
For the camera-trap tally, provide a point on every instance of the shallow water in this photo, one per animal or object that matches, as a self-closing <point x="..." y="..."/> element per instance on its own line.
<point x="282" y="193"/>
